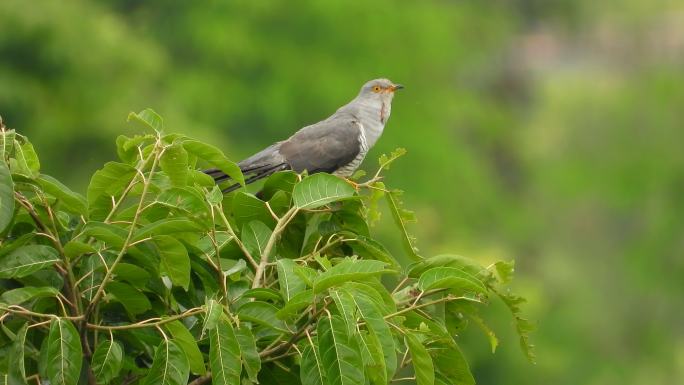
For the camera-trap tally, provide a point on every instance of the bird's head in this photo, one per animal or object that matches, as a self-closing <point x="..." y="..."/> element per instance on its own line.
<point x="379" y="89"/>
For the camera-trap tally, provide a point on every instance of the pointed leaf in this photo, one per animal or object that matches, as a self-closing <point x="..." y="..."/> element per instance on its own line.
<point x="339" y="353"/>
<point x="290" y="283"/>
<point x="346" y="308"/>
<point x="16" y="370"/>
<point x="224" y="354"/>
<point x="6" y="196"/>
<point x="348" y="270"/>
<point x="26" y="260"/>
<point x="167" y="227"/>
<point x="298" y="302"/>
<point x="262" y="313"/>
<point x="450" y="278"/>
<point x="69" y="200"/>
<point x="402" y="217"/>
<point x="174" y="163"/>
<point x="169" y="367"/>
<point x="215" y="158"/>
<point x="254" y="236"/>
<point x="23" y="294"/>
<point x="107" y="361"/>
<point x="320" y="189"/>
<point x="148" y="118"/>
<point x="311" y="369"/>
<point x="247" y="208"/>
<point x="185" y="339"/>
<point x="213" y="311"/>
<point x="449" y="362"/>
<point x="174" y="260"/>
<point x="377" y="327"/>
<point x="132" y="299"/>
<point x="422" y="363"/>
<point x="105" y="183"/>
<point x="64" y="353"/>
<point x="249" y="352"/>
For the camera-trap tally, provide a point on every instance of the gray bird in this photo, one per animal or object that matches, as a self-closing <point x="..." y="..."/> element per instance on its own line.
<point x="336" y="145"/>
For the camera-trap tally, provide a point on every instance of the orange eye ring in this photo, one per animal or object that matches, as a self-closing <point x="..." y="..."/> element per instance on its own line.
<point x="376" y="89"/>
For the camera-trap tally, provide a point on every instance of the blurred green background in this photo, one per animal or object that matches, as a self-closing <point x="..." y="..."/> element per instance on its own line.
<point x="551" y="132"/>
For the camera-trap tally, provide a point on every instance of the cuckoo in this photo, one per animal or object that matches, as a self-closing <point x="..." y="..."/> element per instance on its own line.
<point x="336" y="145"/>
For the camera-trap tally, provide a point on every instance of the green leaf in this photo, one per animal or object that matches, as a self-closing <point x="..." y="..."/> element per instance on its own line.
<point x="290" y="283"/>
<point x="224" y="354"/>
<point x="402" y="217"/>
<point x="348" y="270"/>
<point x="262" y="294"/>
<point x="450" y="278"/>
<point x="215" y="158"/>
<point x="23" y="294"/>
<point x="255" y="236"/>
<point x="25" y="160"/>
<point x="167" y="227"/>
<point x="187" y="199"/>
<point x="369" y="248"/>
<point x="298" y="302"/>
<point x="148" y="118"/>
<point x="449" y="362"/>
<point x="281" y="181"/>
<point x="6" y="142"/>
<point x="378" y="328"/>
<point x="505" y="271"/>
<point x="493" y="340"/>
<point x="105" y="183"/>
<point x="107" y="361"/>
<point x="184" y="339"/>
<point x="26" y="260"/>
<point x="346" y="308"/>
<point x="74" y="248"/>
<point x="112" y="235"/>
<point x="522" y="325"/>
<point x="174" y="163"/>
<point x="127" y="148"/>
<point x="320" y="189"/>
<point x="373" y="358"/>
<point x="133" y="300"/>
<point x="249" y="352"/>
<point x="262" y="313"/>
<point x="69" y="200"/>
<point x="169" y="367"/>
<point x="311" y="370"/>
<point x="133" y="274"/>
<point x="422" y="363"/>
<point x="247" y="208"/>
<point x="64" y="353"/>
<point x="339" y="353"/>
<point x="212" y="315"/>
<point x="16" y="369"/>
<point x="6" y="196"/>
<point x="174" y="260"/>
<point x="447" y="260"/>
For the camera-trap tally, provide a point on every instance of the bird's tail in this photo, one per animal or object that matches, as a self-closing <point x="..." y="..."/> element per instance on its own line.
<point x="257" y="166"/>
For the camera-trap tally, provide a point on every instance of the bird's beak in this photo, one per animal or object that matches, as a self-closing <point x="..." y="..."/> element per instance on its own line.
<point x="397" y="87"/>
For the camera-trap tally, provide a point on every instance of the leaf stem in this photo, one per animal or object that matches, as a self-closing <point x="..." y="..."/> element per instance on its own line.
<point x="124" y="248"/>
<point x="280" y="226"/>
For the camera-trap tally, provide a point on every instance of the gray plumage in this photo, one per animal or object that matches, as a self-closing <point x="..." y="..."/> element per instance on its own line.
<point x="336" y="145"/>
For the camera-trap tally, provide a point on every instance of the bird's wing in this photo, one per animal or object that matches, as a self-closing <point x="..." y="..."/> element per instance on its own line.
<point x="323" y="147"/>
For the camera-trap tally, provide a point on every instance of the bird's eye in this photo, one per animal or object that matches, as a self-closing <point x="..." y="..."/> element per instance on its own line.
<point x="376" y="89"/>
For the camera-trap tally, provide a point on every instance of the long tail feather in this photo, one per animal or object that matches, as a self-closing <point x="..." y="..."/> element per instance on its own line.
<point x="263" y="173"/>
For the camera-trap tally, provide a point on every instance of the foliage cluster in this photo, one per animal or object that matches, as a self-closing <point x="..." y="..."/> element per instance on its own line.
<point x="156" y="277"/>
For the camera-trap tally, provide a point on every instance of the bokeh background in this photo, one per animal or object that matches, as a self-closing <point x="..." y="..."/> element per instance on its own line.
<point x="551" y="132"/>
